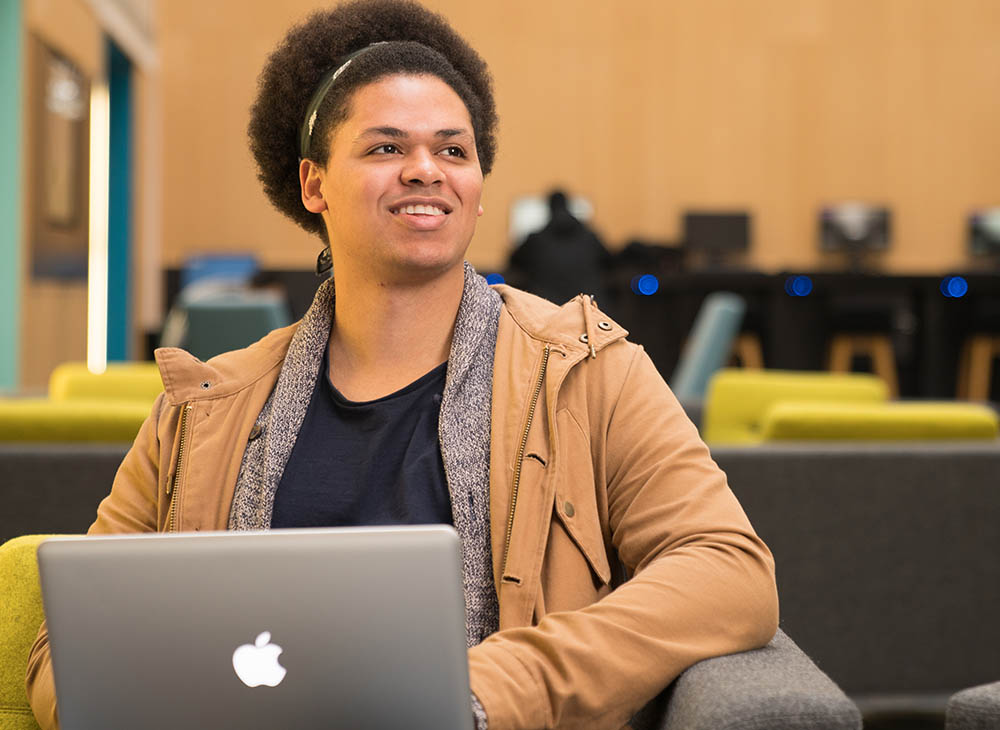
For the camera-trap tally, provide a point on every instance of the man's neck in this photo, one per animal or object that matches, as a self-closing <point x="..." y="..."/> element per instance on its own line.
<point x="385" y="336"/>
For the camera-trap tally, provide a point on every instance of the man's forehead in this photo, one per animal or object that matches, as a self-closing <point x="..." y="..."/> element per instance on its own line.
<point x="409" y="103"/>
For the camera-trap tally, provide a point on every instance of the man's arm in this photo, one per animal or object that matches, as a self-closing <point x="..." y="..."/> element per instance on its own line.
<point x="703" y="582"/>
<point x="132" y="506"/>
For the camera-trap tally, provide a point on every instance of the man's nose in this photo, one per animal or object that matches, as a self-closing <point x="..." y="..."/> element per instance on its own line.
<point x="421" y="168"/>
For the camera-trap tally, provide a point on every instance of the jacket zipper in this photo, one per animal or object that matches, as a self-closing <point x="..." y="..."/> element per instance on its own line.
<point x="172" y="486"/>
<point x="520" y="460"/>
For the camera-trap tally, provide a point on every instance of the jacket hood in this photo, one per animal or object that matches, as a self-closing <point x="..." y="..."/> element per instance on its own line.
<point x="575" y="326"/>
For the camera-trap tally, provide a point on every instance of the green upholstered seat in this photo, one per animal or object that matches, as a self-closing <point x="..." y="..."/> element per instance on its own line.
<point x="19" y="621"/>
<point x="71" y="420"/>
<point x="82" y="406"/>
<point x="136" y="381"/>
<point x="843" y="421"/>
<point x="738" y="400"/>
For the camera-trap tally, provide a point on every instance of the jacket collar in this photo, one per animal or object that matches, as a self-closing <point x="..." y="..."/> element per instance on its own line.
<point x="187" y="379"/>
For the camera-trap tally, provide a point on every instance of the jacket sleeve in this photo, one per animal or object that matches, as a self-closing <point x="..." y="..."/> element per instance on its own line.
<point x="703" y="582"/>
<point x="132" y="506"/>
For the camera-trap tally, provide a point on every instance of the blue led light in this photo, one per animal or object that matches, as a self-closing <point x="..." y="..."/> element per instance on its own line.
<point x="647" y="285"/>
<point x="798" y="286"/>
<point x="958" y="287"/>
<point x="644" y="285"/>
<point x="494" y="279"/>
<point x="954" y="287"/>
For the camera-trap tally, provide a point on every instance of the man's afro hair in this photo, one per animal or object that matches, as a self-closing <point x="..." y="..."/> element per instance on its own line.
<point x="321" y="43"/>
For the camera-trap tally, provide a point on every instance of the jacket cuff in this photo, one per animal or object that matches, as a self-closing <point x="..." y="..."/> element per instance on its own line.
<point x="510" y="694"/>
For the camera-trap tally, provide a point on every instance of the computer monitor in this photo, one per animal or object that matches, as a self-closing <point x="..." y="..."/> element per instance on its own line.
<point x="984" y="233"/>
<point x="530" y="213"/>
<point x="716" y="238"/>
<point x="854" y="229"/>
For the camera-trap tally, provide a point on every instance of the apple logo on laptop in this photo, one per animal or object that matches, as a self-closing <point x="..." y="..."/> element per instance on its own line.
<point x="257" y="663"/>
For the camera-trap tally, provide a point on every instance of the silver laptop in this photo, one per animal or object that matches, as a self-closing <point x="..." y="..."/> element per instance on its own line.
<point x="334" y="628"/>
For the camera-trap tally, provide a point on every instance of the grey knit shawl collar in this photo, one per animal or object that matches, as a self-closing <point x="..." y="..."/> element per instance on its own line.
<point x="463" y="432"/>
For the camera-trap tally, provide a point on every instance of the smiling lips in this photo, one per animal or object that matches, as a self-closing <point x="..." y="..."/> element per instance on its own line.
<point x="420" y="210"/>
<point x="421" y="216"/>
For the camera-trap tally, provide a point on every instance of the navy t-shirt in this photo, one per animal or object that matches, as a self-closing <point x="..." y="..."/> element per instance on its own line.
<point x="371" y="463"/>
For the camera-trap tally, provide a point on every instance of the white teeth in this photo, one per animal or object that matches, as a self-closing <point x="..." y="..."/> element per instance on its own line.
<point x="421" y="210"/>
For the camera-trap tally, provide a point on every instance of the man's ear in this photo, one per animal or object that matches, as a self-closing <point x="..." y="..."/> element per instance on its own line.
<point x="310" y="182"/>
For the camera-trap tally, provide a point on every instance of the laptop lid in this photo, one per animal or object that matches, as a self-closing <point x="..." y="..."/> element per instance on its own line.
<point x="338" y="628"/>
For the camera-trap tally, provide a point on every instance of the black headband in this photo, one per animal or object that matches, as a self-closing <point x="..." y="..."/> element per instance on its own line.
<point x="305" y="135"/>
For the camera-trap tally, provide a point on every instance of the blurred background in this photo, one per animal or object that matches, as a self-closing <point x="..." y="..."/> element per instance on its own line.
<point x="707" y="144"/>
<point x="770" y="185"/>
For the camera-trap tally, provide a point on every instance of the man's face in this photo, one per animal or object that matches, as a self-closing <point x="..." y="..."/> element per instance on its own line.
<point x="402" y="184"/>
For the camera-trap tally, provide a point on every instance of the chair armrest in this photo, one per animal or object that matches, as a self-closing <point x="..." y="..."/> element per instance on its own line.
<point x="776" y="687"/>
<point x="976" y="708"/>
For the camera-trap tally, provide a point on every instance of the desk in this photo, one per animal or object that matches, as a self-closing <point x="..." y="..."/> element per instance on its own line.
<point x="926" y="327"/>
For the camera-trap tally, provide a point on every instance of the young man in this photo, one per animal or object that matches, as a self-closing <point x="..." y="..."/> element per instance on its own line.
<point x="417" y="393"/>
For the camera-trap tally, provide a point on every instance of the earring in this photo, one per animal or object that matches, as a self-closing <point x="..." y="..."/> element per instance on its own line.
<point x="324" y="262"/>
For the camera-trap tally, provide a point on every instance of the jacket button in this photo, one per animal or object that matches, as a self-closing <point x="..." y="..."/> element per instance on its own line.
<point x="255" y="432"/>
<point x="568" y="508"/>
<point x="604" y="326"/>
<point x="583" y="337"/>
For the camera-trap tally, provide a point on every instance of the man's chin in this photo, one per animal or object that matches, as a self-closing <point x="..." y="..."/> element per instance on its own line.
<point x="418" y="270"/>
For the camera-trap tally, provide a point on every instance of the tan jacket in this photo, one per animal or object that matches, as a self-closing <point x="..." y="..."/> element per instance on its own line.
<point x="591" y="457"/>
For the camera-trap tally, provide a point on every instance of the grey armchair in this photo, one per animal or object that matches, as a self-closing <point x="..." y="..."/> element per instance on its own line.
<point x="976" y="708"/>
<point x="776" y="687"/>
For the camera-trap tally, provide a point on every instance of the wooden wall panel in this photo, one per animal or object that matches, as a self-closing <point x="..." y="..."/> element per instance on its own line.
<point x="55" y="331"/>
<point x="647" y="108"/>
<point x="53" y="312"/>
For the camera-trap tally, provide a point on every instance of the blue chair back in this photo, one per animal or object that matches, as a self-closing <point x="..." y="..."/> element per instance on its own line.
<point x="231" y="321"/>
<point x="230" y="268"/>
<point x="709" y="344"/>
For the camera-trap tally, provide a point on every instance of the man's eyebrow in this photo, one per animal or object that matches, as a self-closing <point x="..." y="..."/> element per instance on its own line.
<point x="448" y="133"/>
<point x="393" y="132"/>
<point x="397" y="133"/>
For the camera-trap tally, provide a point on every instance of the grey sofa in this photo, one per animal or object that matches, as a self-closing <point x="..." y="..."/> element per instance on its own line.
<point x="886" y="554"/>
<point x="775" y="687"/>
<point x="887" y="563"/>
<point x="976" y="708"/>
<point x="47" y="488"/>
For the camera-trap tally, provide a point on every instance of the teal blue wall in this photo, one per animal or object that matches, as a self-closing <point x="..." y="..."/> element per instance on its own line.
<point x="119" y="204"/>
<point x="10" y="191"/>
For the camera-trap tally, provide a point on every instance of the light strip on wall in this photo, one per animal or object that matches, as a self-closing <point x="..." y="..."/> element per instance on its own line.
<point x="97" y="267"/>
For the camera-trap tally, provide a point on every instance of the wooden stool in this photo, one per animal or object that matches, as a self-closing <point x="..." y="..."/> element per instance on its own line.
<point x="844" y="347"/>
<point x="975" y="367"/>
<point x="747" y="352"/>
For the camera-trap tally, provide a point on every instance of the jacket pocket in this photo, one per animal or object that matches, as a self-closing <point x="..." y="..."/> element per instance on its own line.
<point x="576" y="505"/>
<point x="587" y="538"/>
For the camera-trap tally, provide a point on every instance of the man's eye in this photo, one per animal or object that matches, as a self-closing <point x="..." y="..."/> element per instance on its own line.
<point x="454" y="151"/>
<point x="385" y="149"/>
